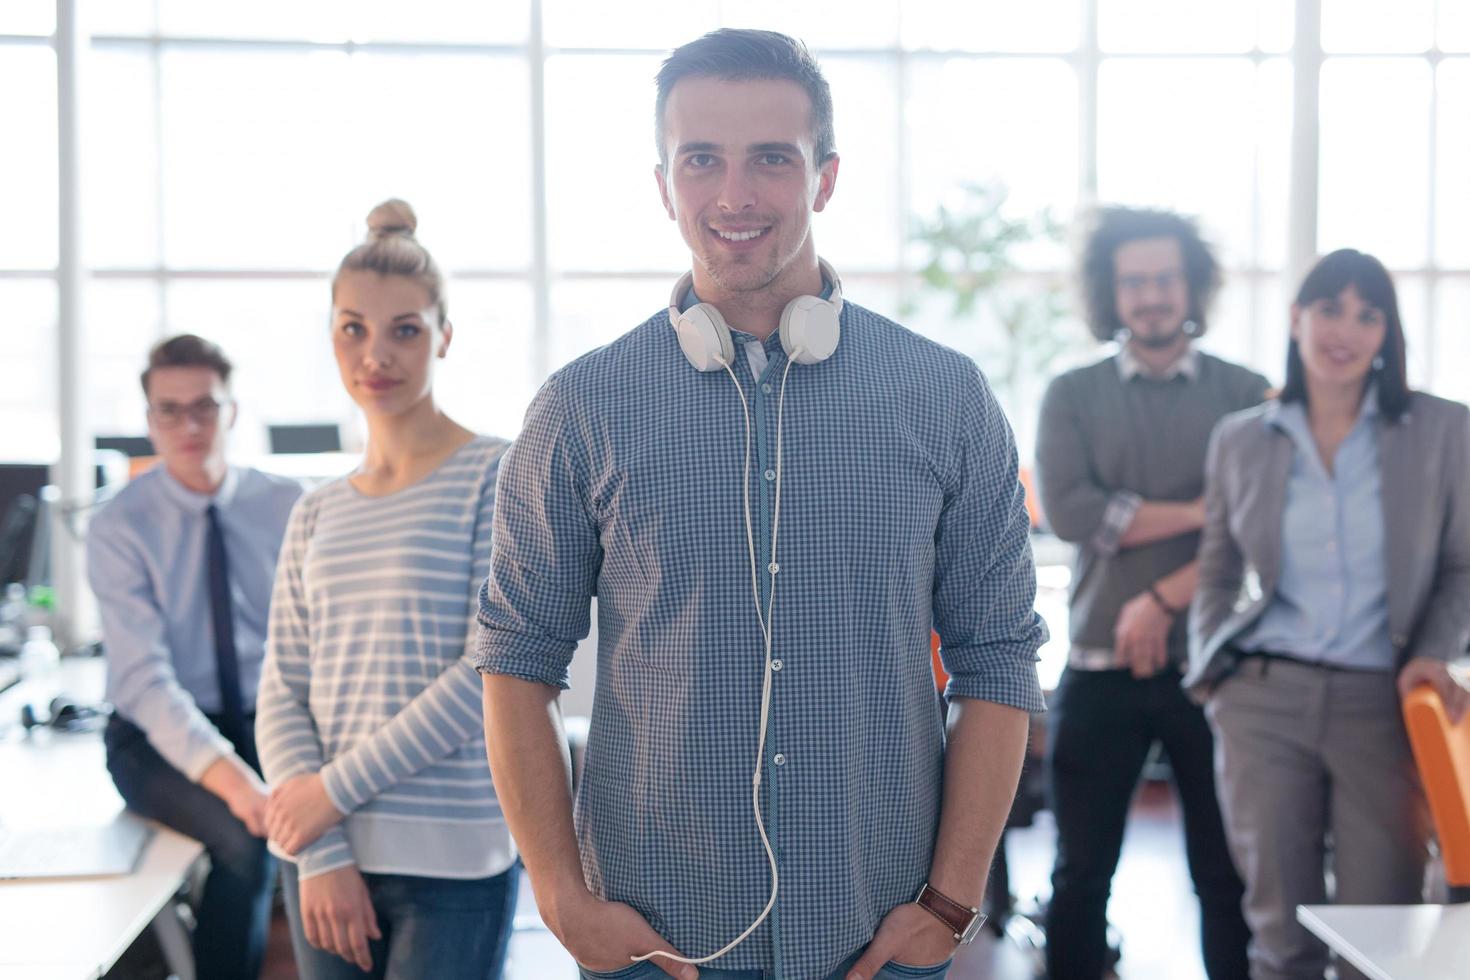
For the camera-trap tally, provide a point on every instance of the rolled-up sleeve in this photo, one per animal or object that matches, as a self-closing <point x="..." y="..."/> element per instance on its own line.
<point x="985" y="579"/>
<point x="1117" y="516"/>
<point x="545" y="555"/>
<point x="143" y="685"/>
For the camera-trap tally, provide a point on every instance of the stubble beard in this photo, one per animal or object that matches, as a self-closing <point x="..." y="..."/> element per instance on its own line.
<point x="742" y="274"/>
<point x="1160" y="341"/>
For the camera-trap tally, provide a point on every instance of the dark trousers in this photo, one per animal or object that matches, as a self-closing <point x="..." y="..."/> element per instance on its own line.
<point x="1101" y="728"/>
<point x="233" y="916"/>
<point x="432" y="927"/>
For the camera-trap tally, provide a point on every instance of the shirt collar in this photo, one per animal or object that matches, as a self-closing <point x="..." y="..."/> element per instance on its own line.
<point x="1288" y="415"/>
<point x="198" y="503"/>
<point x="1186" y="366"/>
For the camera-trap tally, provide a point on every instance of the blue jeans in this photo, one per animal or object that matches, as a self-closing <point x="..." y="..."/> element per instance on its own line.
<point x="234" y="913"/>
<point x="647" y="971"/>
<point x="432" y="927"/>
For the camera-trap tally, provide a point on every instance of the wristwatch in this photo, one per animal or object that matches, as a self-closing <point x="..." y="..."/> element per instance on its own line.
<point x="963" y="921"/>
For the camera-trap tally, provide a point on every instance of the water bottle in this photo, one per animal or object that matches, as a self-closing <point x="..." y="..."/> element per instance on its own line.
<point x="39" y="658"/>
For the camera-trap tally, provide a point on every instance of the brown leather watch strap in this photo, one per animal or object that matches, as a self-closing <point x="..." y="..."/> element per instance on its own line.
<point x="961" y="919"/>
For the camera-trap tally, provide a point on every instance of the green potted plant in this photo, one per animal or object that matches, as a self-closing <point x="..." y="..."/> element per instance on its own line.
<point x="970" y="260"/>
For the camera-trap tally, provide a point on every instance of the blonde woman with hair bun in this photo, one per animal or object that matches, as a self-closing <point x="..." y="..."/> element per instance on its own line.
<point x="397" y="861"/>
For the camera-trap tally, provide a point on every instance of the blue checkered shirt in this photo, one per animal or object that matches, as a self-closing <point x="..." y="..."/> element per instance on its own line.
<point x="900" y="510"/>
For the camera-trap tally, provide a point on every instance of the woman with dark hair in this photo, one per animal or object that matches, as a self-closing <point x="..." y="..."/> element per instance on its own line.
<point x="1334" y="577"/>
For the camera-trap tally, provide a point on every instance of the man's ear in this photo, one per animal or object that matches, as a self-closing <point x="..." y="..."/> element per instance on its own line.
<point x="826" y="181"/>
<point x="663" y="189"/>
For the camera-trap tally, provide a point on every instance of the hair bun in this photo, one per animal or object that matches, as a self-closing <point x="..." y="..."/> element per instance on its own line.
<point x="392" y="217"/>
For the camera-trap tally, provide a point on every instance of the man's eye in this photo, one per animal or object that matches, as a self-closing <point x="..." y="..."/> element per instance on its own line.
<point x="701" y="160"/>
<point x="773" y="159"/>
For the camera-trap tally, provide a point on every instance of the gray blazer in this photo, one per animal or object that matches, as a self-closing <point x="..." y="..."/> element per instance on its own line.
<point x="1425" y="463"/>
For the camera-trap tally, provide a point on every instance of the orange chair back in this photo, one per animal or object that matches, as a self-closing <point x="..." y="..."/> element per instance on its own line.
<point x="1033" y="499"/>
<point x="139" y="465"/>
<point x="940" y="677"/>
<point x="1442" y="752"/>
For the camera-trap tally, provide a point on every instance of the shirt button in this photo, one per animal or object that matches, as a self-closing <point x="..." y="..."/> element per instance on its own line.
<point x="780" y="759"/>
<point x="770" y="474"/>
<point x="766" y="387"/>
<point x="777" y="665"/>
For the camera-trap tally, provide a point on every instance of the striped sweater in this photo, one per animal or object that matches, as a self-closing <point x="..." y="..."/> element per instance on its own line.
<point x="368" y="674"/>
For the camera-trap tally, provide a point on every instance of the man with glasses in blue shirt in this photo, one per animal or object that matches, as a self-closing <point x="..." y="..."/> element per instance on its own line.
<point x="182" y="561"/>
<point x="768" y="788"/>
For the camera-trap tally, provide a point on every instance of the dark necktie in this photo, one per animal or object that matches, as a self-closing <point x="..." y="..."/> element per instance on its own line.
<point x="221" y="612"/>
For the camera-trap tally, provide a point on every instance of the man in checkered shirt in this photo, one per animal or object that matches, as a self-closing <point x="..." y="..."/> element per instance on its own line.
<point x="856" y="501"/>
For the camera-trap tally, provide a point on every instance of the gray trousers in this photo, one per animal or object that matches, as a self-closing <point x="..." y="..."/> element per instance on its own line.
<point x="1315" y="772"/>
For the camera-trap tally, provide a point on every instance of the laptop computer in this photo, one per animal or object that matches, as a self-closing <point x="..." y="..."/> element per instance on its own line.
<point x="74" y="852"/>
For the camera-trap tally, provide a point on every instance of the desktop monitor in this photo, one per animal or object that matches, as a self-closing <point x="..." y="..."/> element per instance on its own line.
<point x="25" y="528"/>
<point x="130" y="446"/>
<point x="20" y="507"/>
<point x="313" y="438"/>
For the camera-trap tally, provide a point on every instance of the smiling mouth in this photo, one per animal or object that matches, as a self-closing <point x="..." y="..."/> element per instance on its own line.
<point x="740" y="236"/>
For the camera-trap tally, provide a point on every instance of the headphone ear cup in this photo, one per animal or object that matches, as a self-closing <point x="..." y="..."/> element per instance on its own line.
<point x="704" y="338"/>
<point x="63" y="712"/>
<point x="811" y="326"/>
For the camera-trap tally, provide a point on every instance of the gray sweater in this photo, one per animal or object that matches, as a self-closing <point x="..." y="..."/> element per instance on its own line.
<point x="1104" y="443"/>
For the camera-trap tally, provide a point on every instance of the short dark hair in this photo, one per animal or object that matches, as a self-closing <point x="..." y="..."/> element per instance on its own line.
<point x="741" y="55"/>
<point x="1330" y="276"/>
<point x="1116" y="226"/>
<point x="186" y="350"/>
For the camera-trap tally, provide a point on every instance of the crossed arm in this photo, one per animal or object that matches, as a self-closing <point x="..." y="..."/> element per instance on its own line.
<point x="1080" y="509"/>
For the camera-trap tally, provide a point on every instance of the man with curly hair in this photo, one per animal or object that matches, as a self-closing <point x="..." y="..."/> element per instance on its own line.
<point x="1120" y="461"/>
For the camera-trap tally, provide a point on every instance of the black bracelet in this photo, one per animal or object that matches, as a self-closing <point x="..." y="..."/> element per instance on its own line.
<point x="1170" y="610"/>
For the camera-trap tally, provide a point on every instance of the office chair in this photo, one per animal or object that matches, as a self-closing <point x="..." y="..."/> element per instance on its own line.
<point x="1442" y="753"/>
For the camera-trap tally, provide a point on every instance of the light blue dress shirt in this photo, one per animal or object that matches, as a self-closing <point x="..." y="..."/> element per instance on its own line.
<point x="1331" y="601"/>
<point x="900" y="510"/>
<point x="146" y="561"/>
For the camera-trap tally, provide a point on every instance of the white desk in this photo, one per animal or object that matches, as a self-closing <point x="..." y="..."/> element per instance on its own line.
<point x="1396" y="942"/>
<point x="74" y="928"/>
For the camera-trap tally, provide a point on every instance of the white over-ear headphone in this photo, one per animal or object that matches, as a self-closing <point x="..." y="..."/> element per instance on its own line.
<point x="810" y="326"/>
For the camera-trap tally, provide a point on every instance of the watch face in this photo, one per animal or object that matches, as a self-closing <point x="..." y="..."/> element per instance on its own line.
<point x="973" y="929"/>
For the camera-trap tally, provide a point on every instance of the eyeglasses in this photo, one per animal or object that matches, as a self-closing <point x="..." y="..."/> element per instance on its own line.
<point x="1164" y="282"/>
<point x="169" y="415"/>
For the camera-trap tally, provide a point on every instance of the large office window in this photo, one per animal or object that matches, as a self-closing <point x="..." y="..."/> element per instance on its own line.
<point x="231" y="151"/>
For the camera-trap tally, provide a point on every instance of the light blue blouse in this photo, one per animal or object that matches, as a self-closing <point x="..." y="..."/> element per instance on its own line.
<point x="1331" y="602"/>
